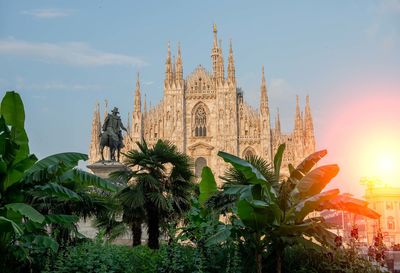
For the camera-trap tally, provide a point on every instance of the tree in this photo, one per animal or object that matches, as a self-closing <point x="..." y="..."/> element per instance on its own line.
<point x="278" y="214"/>
<point x="160" y="186"/>
<point x="30" y="190"/>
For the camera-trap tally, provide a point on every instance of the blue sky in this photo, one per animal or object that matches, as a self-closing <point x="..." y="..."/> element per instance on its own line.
<point x="63" y="56"/>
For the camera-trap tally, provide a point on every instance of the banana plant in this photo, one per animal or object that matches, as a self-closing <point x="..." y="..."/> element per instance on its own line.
<point x="277" y="212"/>
<point x="36" y="195"/>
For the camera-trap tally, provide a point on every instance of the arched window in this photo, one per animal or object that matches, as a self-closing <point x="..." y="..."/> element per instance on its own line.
<point x="248" y="152"/>
<point x="200" y="122"/>
<point x="199" y="164"/>
<point x="390" y="223"/>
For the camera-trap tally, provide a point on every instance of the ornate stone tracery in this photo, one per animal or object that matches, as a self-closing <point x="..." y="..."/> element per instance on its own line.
<point x="200" y="122"/>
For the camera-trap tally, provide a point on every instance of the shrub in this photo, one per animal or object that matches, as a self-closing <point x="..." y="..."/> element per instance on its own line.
<point x="98" y="258"/>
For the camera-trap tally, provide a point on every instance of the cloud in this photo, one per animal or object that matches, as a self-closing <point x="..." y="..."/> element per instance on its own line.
<point x="47" y="13"/>
<point x="59" y="86"/>
<point x="72" y="53"/>
<point x="280" y="89"/>
<point x="384" y="28"/>
<point x="389" y="6"/>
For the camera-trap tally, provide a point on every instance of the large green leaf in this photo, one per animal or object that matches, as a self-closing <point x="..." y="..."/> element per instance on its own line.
<point x="14" y="226"/>
<point x="278" y="160"/>
<point x="88" y="179"/>
<point x="12" y="109"/>
<point x="20" y="137"/>
<point x="312" y="203"/>
<point x="307" y="164"/>
<point x="207" y="185"/>
<point x="17" y="170"/>
<point x="69" y="160"/>
<point x="46" y="242"/>
<point x="57" y="191"/>
<point x="350" y="204"/>
<point x="221" y="235"/>
<point x="257" y="215"/>
<point x="61" y="219"/>
<point x="251" y="173"/>
<point x="27" y="211"/>
<point x="316" y="180"/>
<point x="322" y="235"/>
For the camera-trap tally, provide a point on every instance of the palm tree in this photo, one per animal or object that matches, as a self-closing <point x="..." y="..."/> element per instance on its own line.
<point x="160" y="187"/>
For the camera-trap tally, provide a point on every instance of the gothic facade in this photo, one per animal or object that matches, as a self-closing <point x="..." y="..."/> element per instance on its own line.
<point x="205" y="113"/>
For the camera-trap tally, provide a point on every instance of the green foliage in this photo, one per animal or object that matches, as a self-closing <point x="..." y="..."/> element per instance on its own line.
<point x="298" y="259"/>
<point x="159" y="191"/>
<point x="97" y="258"/>
<point x="274" y="214"/>
<point x="30" y="189"/>
<point x="207" y="185"/>
<point x="26" y="211"/>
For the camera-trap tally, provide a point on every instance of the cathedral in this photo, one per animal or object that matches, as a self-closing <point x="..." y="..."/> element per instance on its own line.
<point x="205" y="112"/>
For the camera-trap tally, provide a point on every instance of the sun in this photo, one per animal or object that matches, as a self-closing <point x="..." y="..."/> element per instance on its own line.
<point x="363" y="136"/>
<point x="386" y="163"/>
<point x="381" y="159"/>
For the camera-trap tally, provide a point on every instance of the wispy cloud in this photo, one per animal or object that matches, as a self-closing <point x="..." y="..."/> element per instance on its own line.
<point x="280" y="89"/>
<point x="389" y="6"/>
<point x="384" y="28"/>
<point x="72" y="53"/>
<point x="59" y="86"/>
<point x="47" y="13"/>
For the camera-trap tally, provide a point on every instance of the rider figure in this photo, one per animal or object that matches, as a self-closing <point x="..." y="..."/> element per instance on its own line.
<point x="113" y="125"/>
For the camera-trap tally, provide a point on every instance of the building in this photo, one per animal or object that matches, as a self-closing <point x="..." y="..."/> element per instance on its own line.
<point x="205" y="112"/>
<point x="385" y="200"/>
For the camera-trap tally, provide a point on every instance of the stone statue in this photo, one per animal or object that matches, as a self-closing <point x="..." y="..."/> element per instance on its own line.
<point x="112" y="135"/>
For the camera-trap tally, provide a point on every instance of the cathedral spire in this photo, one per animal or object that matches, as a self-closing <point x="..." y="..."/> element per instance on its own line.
<point x="173" y="69"/>
<point x="309" y="127"/>
<point x="137" y="100"/>
<point x="94" y="152"/>
<point x="278" y="123"/>
<point x="215" y="55"/>
<point x="105" y="108"/>
<point x="215" y="35"/>
<point x="298" y="119"/>
<point x="128" y="126"/>
<point x="264" y="97"/>
<point x="221" y="67"/>
<point x="179" y="66"/>
<point x="168" y="67"/>
<point x="231" y="65"/>
<point x="144" y="105"/>
<point x="308" y="120"/>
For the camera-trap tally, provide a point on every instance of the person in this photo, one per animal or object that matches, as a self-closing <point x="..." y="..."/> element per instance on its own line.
<point x="113" y="127"/>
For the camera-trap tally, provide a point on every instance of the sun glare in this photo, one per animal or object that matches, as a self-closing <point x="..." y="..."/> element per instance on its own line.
<point x="383" y="161"/>
<point x="363" y="136"/>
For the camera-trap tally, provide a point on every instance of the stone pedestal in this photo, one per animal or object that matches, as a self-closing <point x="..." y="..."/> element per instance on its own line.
<point x="103" y="169"/>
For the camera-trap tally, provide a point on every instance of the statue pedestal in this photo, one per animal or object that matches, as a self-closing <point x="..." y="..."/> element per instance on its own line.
<point x="103" y="169"/>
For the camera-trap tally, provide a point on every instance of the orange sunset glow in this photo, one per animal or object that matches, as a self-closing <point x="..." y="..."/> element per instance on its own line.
<point x="363" y="136"/>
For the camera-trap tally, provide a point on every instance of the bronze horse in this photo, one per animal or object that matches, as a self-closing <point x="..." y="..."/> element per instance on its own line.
<point x="115" y="146"/>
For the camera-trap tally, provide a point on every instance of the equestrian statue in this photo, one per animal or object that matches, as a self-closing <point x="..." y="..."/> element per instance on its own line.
<point x="112" y="135"/>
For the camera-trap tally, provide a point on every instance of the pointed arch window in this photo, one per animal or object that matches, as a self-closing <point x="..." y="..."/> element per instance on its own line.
<point x="200" y="122"/>
<point x="390" y="222"/>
